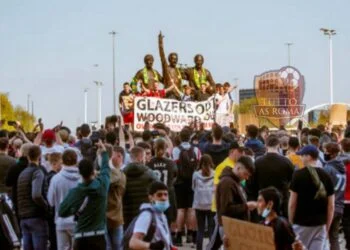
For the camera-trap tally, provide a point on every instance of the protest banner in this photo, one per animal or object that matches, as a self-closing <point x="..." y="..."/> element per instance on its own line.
<point x="338" y="114"/>
<point x="244" y="235"/>
<point x="174" y="114"/>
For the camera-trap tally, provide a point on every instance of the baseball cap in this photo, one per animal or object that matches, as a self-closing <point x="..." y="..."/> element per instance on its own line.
<point x="49" y="135"/>
<point x="308" y="150"/>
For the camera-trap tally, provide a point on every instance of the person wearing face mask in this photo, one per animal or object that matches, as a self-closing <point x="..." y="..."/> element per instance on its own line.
<point x="335" y="168"/>
<point x="231" y="200"/>
<point x="268" y="206"/>
<point x="151" y="230"/>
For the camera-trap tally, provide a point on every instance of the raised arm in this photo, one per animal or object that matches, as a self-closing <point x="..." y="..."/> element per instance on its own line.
<point x="170" y="88"/>
<point x="177" y="90"/>
<point x="161" y="52"/>
<point x="37" y="140"/>
<point x="121" y="133"/>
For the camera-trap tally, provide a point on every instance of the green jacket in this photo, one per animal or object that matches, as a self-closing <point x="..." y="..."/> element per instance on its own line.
<point x="93" y="216"/>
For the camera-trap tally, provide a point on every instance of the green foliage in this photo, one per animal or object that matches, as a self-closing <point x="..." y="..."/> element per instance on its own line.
<point x="247" y="106"/>
<point x="18" y="113"/>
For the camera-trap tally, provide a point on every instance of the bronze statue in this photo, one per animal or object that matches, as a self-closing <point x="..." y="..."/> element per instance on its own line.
<point x="172" y="74"/>
<point x="147" y="76"/>
<point x="198" y="75"/>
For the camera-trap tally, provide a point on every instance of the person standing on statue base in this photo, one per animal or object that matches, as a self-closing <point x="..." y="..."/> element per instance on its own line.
<point x="126" y="103"/>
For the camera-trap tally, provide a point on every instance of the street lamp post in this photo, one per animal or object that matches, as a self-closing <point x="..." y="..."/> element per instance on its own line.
<point x="85" y="104"/>
<point x="236" y="90"/>
<point x="113" y="33"/>
<point x="330" y="33"/>
<point x="288" y="44"/>
<point x="99" y="102"/>
<point x="28" y="103"/>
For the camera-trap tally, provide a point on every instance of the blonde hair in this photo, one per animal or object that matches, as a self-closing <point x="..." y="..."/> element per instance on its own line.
<point x="25" y="149"/>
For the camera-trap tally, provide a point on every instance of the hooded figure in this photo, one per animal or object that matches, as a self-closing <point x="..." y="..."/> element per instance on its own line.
<point x="336" y="169"/>
<point x="60" y="185"/>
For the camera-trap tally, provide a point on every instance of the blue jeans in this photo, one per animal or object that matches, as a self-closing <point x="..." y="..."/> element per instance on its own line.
<point x="114" y="238"/>
<point x="35" y="233"/>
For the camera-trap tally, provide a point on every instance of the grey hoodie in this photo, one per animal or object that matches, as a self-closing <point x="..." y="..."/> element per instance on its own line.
<point x="60" y="185"/>
<point x="203" y="187"/>
<point x="336" y="169"/>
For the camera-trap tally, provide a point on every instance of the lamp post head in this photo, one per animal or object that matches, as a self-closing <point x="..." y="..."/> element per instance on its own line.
<point x="328" y="32"/>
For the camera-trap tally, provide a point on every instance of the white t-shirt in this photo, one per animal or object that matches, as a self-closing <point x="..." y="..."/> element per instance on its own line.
<point x="45" y="151"/>
<point x="162" y="232"/>
<point x="224" y="105"/>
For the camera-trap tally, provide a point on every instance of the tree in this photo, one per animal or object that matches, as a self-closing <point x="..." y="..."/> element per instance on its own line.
<point x="247" y="105"/>
<point x="26" y="119"/>
<point x="9" y="113"/>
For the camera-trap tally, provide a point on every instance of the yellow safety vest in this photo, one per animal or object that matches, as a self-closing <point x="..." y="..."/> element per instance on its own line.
<point x="199" y="80"/>
<point x="145" y="76"/>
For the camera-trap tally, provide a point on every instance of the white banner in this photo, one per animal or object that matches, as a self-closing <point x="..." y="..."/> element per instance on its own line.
<point x="174" y="114"/>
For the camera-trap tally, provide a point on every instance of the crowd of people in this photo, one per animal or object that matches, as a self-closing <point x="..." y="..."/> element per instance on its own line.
<point x="113" y="188"/>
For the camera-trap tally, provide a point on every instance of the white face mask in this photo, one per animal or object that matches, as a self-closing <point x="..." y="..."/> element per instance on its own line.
<point x="99" y="160"/>
<point x="266" y="213"/>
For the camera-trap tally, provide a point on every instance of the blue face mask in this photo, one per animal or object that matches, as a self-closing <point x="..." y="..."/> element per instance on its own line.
<point x="161" y="206"/>
<point x="266" y="213"/>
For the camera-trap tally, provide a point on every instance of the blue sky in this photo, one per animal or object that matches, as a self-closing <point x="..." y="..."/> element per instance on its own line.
<point x="47" y="49"/>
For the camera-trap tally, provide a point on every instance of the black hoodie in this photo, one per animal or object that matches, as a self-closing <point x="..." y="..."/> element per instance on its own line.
<point x="138" y="179"/>
<point x="336" y="169"/>
<point x="217" y="152"/>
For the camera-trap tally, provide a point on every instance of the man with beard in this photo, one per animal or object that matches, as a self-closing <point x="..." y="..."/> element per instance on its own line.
<point x="171" y="73"/>
<point x="148" y="76"/>
<point x="198" y="75"/>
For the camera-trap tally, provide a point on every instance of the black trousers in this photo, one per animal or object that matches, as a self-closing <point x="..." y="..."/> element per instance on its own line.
<point x="346" y="225"/>
<point x="93" y="242"/>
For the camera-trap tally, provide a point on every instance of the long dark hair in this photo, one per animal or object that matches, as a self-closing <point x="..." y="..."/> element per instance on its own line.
<point x="206" y="164"/>
<point x="160" y="147"/>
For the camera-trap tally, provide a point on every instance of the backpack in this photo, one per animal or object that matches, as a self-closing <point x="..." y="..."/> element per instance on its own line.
<point x="9" y="228"/>
<point x="203" y="192"/>
<point x="187" y="163"/>
<point x="130" y="230"/>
